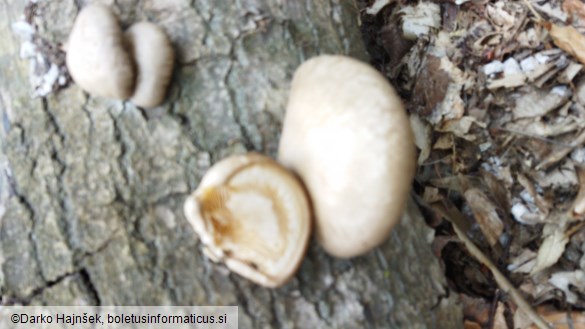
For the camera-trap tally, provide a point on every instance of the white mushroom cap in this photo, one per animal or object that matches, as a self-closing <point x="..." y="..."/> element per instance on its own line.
<point x="253" y="215"/>
<point x="97" y="58"/>
<point x="348" y="137"/>
<point x="154" y="56"/>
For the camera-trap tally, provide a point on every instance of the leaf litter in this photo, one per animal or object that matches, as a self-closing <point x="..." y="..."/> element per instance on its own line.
<point x="496" y="95"/>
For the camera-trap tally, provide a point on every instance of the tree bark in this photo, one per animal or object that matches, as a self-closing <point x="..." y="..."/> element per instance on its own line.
<point x="92" y="189"/>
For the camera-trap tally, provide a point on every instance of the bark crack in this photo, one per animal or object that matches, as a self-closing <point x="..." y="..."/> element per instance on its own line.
<point x="122" y="157"/>
<point x="276" y="322"/>
<point x="26" y="300"/>
<point x="243" y="301"/>
<point x="93" y="292"/>
<point x="234" y="106"/>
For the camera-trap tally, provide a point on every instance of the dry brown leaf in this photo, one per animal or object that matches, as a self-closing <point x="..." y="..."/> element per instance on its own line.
<point x="550" y="250"/>
<point x="444" y="142"/>
<point x="485" y="214"/>
<point x="561" y="152"/>
<point x="575" y="9"/>
<point x="460" y="127"/>
<point x="471" y="325"/>
<point x="562" y="320"/>
<point x="476" y="310"/>
<point x="452" y="183"/>
<point x="499" y="318"/>
<point x="541" y="128"/>
<point x="568" y="39"/>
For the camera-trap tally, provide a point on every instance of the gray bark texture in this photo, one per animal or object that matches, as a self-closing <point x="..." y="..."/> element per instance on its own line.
<point x="92" y="189"/>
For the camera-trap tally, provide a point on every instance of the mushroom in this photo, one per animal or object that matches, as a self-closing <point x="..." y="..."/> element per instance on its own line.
<point x="253" y="215"/>
<point x="347" y="136"/>
<point x="154" y="56"/>
<point x="97" y="58"/>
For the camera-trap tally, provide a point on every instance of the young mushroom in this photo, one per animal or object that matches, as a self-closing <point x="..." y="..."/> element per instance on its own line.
<point x="154" y="56"/>
<point x="348" y="137"/>
<point x="253" y="215"/>
<point x="97" y="58"/>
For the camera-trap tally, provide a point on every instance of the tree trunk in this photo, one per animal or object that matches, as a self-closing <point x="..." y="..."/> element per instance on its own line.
<point x="92" y="189"/>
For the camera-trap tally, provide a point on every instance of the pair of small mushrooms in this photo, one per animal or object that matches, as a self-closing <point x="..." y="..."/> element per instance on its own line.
<point x="347" y="137"/>
<point x="105" y="61"/>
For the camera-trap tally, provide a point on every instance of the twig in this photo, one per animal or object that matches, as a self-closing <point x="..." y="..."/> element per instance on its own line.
<point x="534" y="12"/>
<point x="574" y="229"/>
<point x="501" y="280"/>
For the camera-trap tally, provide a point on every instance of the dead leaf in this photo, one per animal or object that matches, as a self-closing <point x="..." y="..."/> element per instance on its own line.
<point x="460" y="127"/>
<point x="444" y="142"/>
<point x="578" y="207"/>
<point x="550" y="250"/>
<point x="564" y="320"/>
<point x="485" y="214"/>
<point x="558" y="319"/>
<point x="501" y="280"/>
<point x="542" y="203"/>
<point x="575" y="9"/>
<point x="523" y="263"/>
<point x="420" y="20"/>
<point x="499" y="16"/>
<point x="378" y="5"/>
<point x="551" y="10"/>
<point x="561" y="152"/>
<point x="431" y="86"/>
<point x="422" y="137"/>
<point x="498" y="191"/>
<point x="475" y="310"/>
<point x="562" y="177"/>
<point x="499" y="318"/>
<point x="541" y="128"/>
<point x="570" y="72"/>
<point x="568" y="39"/>
<point x="508" y="81"/>
<point x="453" y="183"/>
<point x="540" y="102"/>
<point x="431" y="195"/>
<point x="471" y="325"/>
<point x="569" y="282"/>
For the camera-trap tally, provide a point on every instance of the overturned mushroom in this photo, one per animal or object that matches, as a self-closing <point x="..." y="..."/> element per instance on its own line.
<point x="347" y="135"/>
<point x="253" y="215"/>
<point x="97" y="58"/>
<point x="154" y="56"/>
